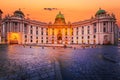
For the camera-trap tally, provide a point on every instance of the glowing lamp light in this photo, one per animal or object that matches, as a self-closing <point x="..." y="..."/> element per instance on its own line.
<point x="13" y="37"/>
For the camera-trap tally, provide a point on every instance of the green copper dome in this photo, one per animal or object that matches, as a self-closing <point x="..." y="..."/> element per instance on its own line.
<point x="59" y="15"/>
<point x="19" y="13"/>
<point x="60" y="19"/>
<point x="100" y="11"/>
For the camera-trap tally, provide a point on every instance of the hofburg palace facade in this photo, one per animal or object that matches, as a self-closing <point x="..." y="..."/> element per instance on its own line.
<point x="99" y="29"/>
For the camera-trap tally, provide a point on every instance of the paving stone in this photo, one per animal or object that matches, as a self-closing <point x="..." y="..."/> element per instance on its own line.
<point x="79" y="64"/>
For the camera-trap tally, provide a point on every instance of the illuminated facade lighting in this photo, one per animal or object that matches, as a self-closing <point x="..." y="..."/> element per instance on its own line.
<point x="100" y="29"/>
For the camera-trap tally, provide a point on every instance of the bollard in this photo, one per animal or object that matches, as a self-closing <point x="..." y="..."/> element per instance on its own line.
<point x="65" y="46"/>
<point x="23" y="45"/>
<point x="83" y="47"/>
<point x="74" y="48"/>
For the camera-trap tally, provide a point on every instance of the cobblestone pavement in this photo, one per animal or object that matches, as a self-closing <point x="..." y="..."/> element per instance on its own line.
<point x="48" y="63"/>
<point x="25" y="63"/>
<point x="101" y="63"/>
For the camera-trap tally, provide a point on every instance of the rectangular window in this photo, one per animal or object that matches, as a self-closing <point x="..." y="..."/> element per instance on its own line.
<point x="31" y="31"/>
<point x="47" y="41"/>
<point x="31" y="27"/>
<point x="36" y="32"/>
<point x="88" y="27"/>
<point x="25" y="36"/>
<point x="104" y="23"/>
<point x="53" y="37"/>
<point x="41" y="41"/>
<point x="66" y="29"/>
<point x="65" y="33"/>
<point x="36" y="37"/>
<point x="104" y="29"/>
<point x="25" y="29"/>
<point x="36" y="41"/>
<point x="88" y="37"/>
<point x="82" y="31"/>
<point x="94" y="24"/>
<point x="95" y="29"/>
<point x="25" y="40"/>
<point x="41" y="31"/>
<point x="52" y="31"/>
<point x="82" y="37"/>
<point x="111" y="26"/>
<point x="36" y="28"/>
<point x="72" y="41"/>
<point x="88" y="31"/>
<point x="77" y="28"/>
<point x="72" y="31"/>
<point x="82" y="27"/>
<point x="46" y="31"/>
<point x="76" y="32"/>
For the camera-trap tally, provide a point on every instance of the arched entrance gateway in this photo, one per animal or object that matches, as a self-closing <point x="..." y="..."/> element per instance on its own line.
<point x="59" y="38"/>
<point x="59" y="23"/>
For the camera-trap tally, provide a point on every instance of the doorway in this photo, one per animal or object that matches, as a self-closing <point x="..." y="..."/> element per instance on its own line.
<point x="59" y="38"/>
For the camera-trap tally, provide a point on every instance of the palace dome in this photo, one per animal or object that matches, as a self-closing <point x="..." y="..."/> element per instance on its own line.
<point x="1" y="11"/>
<point x="19" y="13"/>
<point x="100" y="11"/>
<point x="60" y="19"/>
<point x="59" y="15"/>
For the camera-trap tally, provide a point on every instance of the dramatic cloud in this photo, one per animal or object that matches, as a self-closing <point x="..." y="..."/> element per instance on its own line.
<point x="50" y="9"/>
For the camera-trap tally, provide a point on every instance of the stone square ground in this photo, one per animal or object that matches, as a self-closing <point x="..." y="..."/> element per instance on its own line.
<point x="19" y="62"/>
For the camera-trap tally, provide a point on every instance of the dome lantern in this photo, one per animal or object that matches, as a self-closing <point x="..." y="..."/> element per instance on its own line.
<point x="59" y="15"/>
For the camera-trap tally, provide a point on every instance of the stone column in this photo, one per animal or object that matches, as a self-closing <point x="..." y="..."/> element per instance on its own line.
<point x="74" y="35"/>
<point x="100" y="27"/>
<point x="11" y="26"/>
<point x="113" y="25"/>
<point x="69" y="35"/>
<point x="7" y="27"/>
<point x="44" y="35"/>
<point x="109" y="26"/>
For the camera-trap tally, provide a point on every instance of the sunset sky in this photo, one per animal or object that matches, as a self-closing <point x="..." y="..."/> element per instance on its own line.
<point x="73" y="10"/>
